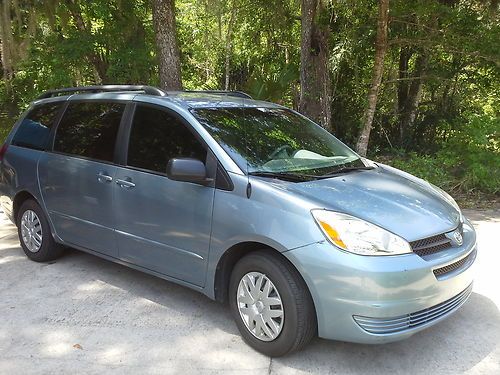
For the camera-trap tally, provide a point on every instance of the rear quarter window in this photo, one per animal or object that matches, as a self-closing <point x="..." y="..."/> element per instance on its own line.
<point x="35" y="128"/>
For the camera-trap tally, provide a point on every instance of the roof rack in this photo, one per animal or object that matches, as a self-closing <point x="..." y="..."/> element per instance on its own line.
<point x="237" y="94"/>
<point x="150" y="90"/>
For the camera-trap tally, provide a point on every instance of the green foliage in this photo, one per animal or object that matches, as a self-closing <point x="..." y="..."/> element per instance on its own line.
<point x="276" y="87"/>
<point x="468" y="160"/>
<point x="433" y="168"/>
<point x="452" y="140"/>
<point x="4" y="131"/>
<point x="112" y="44"/>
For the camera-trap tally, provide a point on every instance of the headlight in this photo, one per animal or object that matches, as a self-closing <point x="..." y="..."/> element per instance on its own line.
<point x="358" y="236"/>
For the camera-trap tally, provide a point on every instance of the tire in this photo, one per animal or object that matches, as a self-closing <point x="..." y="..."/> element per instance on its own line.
<point x="31" y="216"/>
<point x="297" y="325"/>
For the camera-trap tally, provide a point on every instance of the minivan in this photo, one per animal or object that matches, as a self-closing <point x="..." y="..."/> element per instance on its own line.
<point x="245" y="201"/>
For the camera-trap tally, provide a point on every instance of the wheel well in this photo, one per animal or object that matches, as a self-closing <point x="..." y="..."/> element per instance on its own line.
<point x="19" y="199"/>
<point x="228" y="261"/>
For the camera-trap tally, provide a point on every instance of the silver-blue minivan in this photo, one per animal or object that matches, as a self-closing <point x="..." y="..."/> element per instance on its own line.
<point x="245" y="201"/>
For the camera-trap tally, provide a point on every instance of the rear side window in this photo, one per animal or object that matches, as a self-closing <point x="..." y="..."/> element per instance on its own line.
<point x="89" y="130"/>
<point x="158" y="136"/>
<point x="35" y="129"/>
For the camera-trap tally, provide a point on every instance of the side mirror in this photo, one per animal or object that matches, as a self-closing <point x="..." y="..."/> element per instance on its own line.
<point x="187" y="170"/>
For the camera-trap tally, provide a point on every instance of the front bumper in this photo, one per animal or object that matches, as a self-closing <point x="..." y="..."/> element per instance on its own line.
<point x="387" y="298"/>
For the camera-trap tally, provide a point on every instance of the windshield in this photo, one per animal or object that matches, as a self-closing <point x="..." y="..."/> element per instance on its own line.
<point x="275" y="140"/>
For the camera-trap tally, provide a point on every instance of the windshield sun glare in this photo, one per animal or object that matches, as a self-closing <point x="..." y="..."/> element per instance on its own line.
<point x="276" y="140"/>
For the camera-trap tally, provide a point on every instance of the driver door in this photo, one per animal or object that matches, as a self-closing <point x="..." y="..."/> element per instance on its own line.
<point x="161" y="224"/>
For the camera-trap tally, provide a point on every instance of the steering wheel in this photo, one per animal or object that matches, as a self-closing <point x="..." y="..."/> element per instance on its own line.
<point x="285" y="148"/>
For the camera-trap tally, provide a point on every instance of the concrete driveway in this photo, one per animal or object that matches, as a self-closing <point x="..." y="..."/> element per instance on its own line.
<point x="82" y="314"/>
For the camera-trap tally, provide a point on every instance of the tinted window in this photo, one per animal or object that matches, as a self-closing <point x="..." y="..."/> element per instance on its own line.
<point x="35" y="128"/>
<point x="158" y="136"/>
<point x="89" y="130"/>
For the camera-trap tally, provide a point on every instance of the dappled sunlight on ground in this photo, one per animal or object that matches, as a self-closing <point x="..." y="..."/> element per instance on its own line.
<point x="10" y="258"/>
<point x="82" y="314"/>
<point x="93" y="287"/>
<point x="56" y="344"/>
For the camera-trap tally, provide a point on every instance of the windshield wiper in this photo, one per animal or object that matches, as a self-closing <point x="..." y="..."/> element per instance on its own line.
<point x="283" y="176"/>
<point x="305" y="177"/>
<point x="345" y="170"/>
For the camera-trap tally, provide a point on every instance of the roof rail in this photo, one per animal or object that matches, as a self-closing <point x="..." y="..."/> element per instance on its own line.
<point x="237" y="94"/>
<point x="149" y="90"/>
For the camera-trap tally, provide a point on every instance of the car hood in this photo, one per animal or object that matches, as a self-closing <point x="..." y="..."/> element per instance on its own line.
<point x="385" y="196"/>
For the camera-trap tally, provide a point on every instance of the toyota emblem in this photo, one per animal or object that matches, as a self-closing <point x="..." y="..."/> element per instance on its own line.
<point x="458" y="237"/>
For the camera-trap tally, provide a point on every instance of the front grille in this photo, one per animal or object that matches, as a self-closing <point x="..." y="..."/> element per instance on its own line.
<point x="401" y="323"/>
<point x="431" y="245"/>
<point x="466" y="261"/>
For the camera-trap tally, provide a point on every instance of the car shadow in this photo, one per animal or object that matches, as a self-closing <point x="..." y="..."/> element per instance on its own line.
<point x="180" y="300"/>
<point x="457" y="343"/>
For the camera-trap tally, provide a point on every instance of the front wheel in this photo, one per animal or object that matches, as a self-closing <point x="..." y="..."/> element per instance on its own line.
<point x="271" y="304"/>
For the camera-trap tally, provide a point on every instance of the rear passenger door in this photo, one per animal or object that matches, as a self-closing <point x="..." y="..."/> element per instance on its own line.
<point x="76" y="178"/>
<point x="161" y="224"/>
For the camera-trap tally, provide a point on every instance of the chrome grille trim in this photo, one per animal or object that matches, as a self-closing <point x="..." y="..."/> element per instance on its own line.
<point x="382" y="326"/>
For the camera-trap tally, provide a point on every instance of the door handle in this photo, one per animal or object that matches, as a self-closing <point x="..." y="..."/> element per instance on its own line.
<point x="103" y="177"/>
<point x="125" y="184"/>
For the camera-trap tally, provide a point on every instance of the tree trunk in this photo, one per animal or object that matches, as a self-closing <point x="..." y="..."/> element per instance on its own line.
<point x="378" y="70"/>
<point x="493" y="8"/>
<point x="17" y="12"/>
<point x="7" y="41"/>
<point x="229" y="46"/>
<point x="30" y="33"/>
<point x="408" y="108"/>
<point x="405" y="55"/>
<point x="315" y="83"/>
<point x="166" y="44"/>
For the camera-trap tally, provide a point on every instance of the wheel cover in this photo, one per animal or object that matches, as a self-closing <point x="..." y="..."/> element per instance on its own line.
<point x="31" y="231"/>
<point x="260" y="306"/>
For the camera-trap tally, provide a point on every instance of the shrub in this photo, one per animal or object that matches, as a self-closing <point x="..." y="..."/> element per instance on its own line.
<point x="468" y="161"/>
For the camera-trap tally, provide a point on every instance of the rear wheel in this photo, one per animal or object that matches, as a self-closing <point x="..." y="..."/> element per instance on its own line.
<point x="271" y="304"/>
<point x="35" y="235"/>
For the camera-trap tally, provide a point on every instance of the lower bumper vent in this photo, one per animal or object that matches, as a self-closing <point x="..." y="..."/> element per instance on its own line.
<point x="463" y="263"/>
<point x="406" y="322"/>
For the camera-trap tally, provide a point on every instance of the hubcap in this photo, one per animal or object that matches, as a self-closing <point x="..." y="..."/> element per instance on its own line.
<point x="260" y="306"/>
<point x="31" y="231"/>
